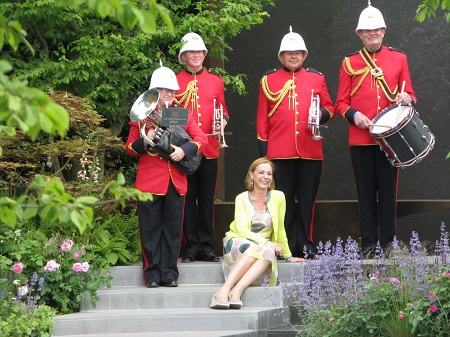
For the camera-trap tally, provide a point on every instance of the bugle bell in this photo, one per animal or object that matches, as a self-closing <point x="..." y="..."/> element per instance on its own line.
<point x="314" y="117"/>
<point x="147" y="110"/>
<point x="218" y="128"/>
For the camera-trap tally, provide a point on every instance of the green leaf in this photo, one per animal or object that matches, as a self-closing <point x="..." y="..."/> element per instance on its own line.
<point x="121" y="178"/>
<point x="86" y="200"/>
<point x="8" y="216"/>
<point x="103" y="8"/>
<point x="14" y="103"/>
<point x="127" y="18"/>
<point x="9" y="130"/>
<point x="78" y="221"/>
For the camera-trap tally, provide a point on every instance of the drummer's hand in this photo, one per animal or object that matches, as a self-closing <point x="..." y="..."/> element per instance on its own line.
<point x="404" y="98"/>
<point x="177" y="154"/>
<point x="361" y="121"/>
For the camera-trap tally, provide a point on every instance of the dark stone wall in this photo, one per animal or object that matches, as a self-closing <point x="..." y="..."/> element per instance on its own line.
<point x="328" y="28"/>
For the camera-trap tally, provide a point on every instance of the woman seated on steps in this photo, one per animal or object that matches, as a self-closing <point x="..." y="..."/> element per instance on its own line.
<point x="256" y="237"/>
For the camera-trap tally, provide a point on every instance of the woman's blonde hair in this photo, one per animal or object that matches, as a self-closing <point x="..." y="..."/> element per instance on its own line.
<point x="252" y="168"/>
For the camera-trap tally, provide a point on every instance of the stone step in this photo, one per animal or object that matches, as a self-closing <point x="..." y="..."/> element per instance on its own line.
<point x="128" y="308"/>
<point x="168" y="320"/>
<point x="184" y="296"/>
<point x="237" y="333"/>
<point x="198" y="273"/>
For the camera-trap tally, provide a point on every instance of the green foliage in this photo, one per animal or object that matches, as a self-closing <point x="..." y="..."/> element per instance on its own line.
<point x="111" y="65"/>
<point x="427" y="9"/>
<point x="19" y="321"/>
<point x="29" y="108"/>
<point x="117" y="239"/>
<point x="430" y="316"/>
<point x="54" y="203"/>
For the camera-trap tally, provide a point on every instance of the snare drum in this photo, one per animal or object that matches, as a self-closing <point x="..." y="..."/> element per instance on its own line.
<point x="402" y="135"/>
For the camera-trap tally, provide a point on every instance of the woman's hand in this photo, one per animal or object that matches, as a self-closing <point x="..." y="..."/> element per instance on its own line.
<point x="297" y="259"/>
<point x="276" y="247"/>
<point x="150" y="135"/>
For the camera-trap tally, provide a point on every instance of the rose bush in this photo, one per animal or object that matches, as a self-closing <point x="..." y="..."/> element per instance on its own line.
<point x="72" y="272"/>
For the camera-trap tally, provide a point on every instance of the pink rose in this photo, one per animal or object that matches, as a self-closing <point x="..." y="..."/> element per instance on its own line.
<point x="394" y="281"/>
<point x="52" y="265"/>
<point x="77" y="267"/>
<point x="66" y="245"/>
<point x="447" y="274"/>
<point x="400" y="315"/>
<point x="331" y="319"/>
<point x="85" y="267"/>
<point x="433" y="308"/>
<point x="18" y="268"/>
<point x="432" y="297"/>
<point x="76" y="255"/>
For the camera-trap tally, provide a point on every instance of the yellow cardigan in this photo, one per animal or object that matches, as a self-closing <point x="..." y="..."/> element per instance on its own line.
<point x="243" y="209"/>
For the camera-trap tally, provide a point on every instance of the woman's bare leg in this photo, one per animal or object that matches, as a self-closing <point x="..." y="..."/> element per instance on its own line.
<point x="255" y="271"/>
<point x="243" y="273"/>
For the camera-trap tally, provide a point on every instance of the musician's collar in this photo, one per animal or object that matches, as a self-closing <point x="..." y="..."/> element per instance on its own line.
<point x="195" y="72"/>
<point x="375" y="51"/>
<point x="292" y="71"/>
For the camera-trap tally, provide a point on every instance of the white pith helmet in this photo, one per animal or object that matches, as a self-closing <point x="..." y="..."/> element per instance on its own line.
<point x="370" y="18"/>
<point x="192" y="42"/>
<point x="164" y="77"/>
<point x="292" y="42"/>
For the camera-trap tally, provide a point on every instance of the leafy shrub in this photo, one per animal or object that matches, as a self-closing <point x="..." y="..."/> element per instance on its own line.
<point x="20" y="315"/>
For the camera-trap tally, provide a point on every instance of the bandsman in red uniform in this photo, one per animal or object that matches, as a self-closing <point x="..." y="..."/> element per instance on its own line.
<point x="160" y="220"/>
<point x="202" y="91"/>
<point x="371" y="80"/>
<point x="286" y="97"/>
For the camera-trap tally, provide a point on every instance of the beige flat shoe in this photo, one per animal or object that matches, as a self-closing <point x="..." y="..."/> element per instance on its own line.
<point x="217" y="303"/>
<point x="234" y="303"/>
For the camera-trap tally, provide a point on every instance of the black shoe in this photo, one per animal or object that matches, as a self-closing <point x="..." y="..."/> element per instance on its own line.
<point x="152" y="284"/>
<point x="188" y="258"/>
<point x="170" y="283"/>
<point x="209" y="257"/>
<point x="311" y="254"/>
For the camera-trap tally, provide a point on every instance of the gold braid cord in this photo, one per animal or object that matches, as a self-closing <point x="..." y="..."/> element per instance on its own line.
<point x="279" y="95"/>
<point x="377" y="72"/>
<point x="349" y="70"/>
<point x="189" y="95"/>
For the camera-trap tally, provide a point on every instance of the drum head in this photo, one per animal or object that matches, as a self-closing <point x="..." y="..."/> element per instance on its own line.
<point x="390" y="117"/>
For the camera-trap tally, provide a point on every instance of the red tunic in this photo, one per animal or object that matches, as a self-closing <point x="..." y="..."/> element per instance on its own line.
<point x="284" y="132"/>
<point x="369" y="98"/>
<point x="207" y="86"/>
<point x="154" y="172"/>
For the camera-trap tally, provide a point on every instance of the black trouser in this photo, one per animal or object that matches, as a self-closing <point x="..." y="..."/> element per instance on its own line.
<point x="299" y="180"/>
<point x="199" y="209"/>
<point x="160" y="224"/>
<point x="376" y="184"/>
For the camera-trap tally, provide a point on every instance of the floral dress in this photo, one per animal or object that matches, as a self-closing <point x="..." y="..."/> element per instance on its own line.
<point x="234" y="248"/>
